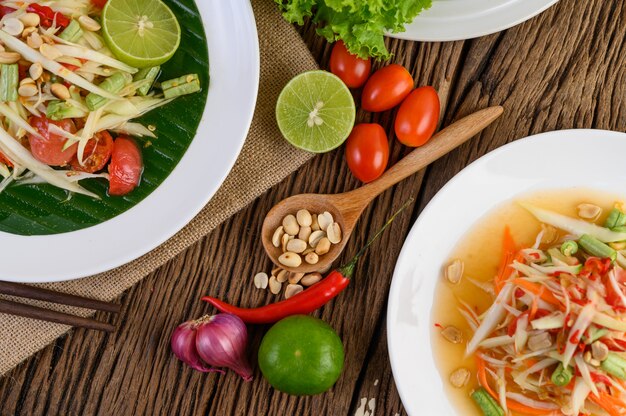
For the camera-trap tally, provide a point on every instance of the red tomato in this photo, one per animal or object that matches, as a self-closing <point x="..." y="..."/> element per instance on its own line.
<point x="418" y="117"/>
<point x="367" y="151"/>
<point x="125" y="167"/>
<point x="352" y="70"/>
<point x="97" y="153"/>
<point x="49" y="149"/>
<point x="5" y="160"/>
<point x="386" y="88"/>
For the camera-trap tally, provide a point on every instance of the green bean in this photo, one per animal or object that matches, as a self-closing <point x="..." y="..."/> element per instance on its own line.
<point x="562" y="375"/>
<point x="615" y="365"/>
<point x="615" y="219"/>
<point x="112" y="84"/>
<point x="486" y="403"/>
<point x="72" y="33"/>
<point x="9" y="78"/>
<point x="149" y="75"/>
<point x="569" y="248"/>
<point x="596" y="247"/>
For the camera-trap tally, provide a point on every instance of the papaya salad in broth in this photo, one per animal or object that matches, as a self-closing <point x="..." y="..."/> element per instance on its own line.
<point x="546" y="333"/>
<point x="74" y="76"/>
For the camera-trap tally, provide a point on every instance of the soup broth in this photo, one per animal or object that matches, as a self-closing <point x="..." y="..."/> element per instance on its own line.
<point x="480" y="250"/>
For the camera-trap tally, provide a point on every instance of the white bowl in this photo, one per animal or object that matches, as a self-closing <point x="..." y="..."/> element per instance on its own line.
<point x="449" y="20"/>
<point x="234" y="68"/>
<point x="557" y="160"/>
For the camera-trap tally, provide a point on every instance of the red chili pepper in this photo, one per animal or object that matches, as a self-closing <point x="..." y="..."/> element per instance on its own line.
<point x="575" y="338"/>
<point x="49" y="16"/>
<point x="3" y="159"/>
<point x="5" y="10"/>
<point x="304" y="302"/>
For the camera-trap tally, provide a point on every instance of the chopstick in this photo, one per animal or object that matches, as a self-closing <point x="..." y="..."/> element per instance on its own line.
<point x="35" y="312"/>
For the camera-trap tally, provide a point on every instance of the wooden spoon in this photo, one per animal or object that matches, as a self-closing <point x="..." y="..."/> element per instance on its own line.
<point x="346" y="208"/>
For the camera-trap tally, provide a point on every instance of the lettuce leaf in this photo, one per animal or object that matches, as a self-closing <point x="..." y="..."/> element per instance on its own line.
<point x="359" y="23"/>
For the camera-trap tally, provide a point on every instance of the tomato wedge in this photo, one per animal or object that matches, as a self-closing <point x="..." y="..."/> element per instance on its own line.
<point x="125" y="167"/>
<point x="97" y="153"/>
<point x="48" y="149"/>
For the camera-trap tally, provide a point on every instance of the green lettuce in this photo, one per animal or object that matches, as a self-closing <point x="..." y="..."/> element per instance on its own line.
<point x="359" y="23"/>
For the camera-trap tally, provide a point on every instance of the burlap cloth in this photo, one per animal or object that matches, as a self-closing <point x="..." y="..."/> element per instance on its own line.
<point x="264" y="161"/>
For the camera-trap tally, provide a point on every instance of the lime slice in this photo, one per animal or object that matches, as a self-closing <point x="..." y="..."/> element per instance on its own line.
<point x="315" y="111"/>
<point x="141" y="33"/>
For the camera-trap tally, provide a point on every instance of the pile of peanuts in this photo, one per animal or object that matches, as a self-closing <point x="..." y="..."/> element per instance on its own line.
<point x="301" y="235"/>
<point x="305" y="235"/>
<point x="295" y="282"/>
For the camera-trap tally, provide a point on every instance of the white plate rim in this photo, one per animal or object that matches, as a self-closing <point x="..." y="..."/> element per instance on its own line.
<point x="406" y="260"/>
<point x="234" y="75"/>
<point x="426" y="29"/>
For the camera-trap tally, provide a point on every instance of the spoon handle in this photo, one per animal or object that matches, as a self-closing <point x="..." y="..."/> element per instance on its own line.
<point x="441" y="143"/>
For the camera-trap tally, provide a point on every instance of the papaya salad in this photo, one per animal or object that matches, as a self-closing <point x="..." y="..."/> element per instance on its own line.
<point x="553" y="340"/>
<point x="74" y="76"/>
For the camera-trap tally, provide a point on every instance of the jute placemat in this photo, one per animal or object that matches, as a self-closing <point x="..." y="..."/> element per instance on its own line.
<point x="264" y="161"/>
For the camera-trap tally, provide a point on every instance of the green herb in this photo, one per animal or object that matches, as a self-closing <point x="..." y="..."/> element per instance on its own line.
<point x="562" y="375"/>
<point x="615" y="365"/>
<point x="486" y="403"/>
<point x="9" y="78"/>
<point x="596" y="247"/>
<point x="360" y="24"/>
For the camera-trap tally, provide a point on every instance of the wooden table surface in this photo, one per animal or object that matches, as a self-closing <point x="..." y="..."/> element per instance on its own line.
<point x="563" y="69"/>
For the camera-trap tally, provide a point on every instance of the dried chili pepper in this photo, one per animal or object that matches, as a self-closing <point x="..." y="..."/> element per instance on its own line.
<point x="49" y="16"/>
<point x="307" y="301"/>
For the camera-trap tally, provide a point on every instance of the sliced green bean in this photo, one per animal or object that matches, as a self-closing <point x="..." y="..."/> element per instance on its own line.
<point x="569" y="248"/>
<point x="596" y="247"/>
<point x="486" y="403"/>
<point x="615" y="219"/>
<point x="9" y="79"/>
<point x="615" y="365"/>
<point x="562" y="375"/>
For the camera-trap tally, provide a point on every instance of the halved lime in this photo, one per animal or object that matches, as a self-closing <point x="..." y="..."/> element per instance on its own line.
<point x="315" y="111"/>
<point x="141" y="33"/>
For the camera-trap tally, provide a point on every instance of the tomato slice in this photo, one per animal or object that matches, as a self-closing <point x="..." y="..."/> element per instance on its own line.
<point x="5" y="160"/>
<point x="97" y="153"/>
<point x="49" y="148"/>
<point x="125" y="167"/>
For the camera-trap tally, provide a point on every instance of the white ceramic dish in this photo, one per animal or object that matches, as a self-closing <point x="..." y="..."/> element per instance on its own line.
<point x="449" y="20"/>
<point x="234" y="68"/>
<point x="561" y="159"/>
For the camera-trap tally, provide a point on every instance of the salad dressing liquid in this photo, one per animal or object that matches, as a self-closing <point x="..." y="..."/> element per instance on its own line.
<point x="480" y="249"/>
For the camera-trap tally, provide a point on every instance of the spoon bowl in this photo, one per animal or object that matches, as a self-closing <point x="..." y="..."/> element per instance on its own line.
<point x="346" y="208"/>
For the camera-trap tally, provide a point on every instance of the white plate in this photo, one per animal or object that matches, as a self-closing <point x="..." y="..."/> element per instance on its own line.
<point x="449" y="20"/>
<point x="560" y="159"/>
<point x="234" y="68"/>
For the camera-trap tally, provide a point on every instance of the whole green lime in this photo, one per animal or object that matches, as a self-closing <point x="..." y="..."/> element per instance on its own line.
<point x="301" y="355"/>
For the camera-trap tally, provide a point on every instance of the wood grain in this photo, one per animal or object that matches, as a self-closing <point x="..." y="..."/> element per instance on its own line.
<point x="563" y="69"/>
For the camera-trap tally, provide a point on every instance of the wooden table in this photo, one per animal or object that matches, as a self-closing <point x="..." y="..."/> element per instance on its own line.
<point x="563" y="69"/>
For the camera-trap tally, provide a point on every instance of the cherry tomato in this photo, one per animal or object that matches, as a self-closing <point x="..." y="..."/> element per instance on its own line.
<point x="97" y="153"/>
<point x="418" y="117"/>
<point x="125" y="167"/>
<point x="49" y="149"/>
<point x="352" y="70"/>
<point x="367" y="151"/>
<point x="386" y="88"/>
<point x="5" y="160"/>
